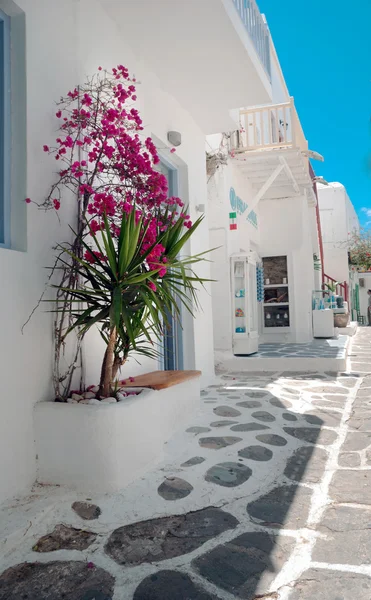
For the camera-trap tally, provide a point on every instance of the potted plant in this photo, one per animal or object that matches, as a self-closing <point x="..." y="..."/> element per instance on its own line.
<point x="123" y="272"/>
<point x="121" y="268"/>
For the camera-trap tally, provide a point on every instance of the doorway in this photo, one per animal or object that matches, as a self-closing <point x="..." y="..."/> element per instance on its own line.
<point x="172" y="347"/>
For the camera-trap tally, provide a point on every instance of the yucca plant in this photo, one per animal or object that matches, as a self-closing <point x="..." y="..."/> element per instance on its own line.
<point x="130" y="282"/>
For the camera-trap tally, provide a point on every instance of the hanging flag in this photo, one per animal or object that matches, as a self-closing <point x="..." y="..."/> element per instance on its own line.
<point x="232" y="221"/>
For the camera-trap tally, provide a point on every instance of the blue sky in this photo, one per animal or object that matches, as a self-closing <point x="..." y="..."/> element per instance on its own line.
<point x="324" y="47"/>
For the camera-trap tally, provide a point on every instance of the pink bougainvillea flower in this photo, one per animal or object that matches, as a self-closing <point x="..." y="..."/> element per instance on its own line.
<point x="28" y="200"/>
<point x="173" y="150"/>
<point x="90" y="565"/>
<point x="56" y="204"/>
<point x="45" y="148"/>
<point x="152" y="286"/>
<point x="58" y="114"/>
<point x="131" y="379"/>
<point x="123" y="382"/>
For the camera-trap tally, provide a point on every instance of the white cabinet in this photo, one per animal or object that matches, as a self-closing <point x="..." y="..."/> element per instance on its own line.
<point x="323" y="323"/>
<point x="244" y="304"/>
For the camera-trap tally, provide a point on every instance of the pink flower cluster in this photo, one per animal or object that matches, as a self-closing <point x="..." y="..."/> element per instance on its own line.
<point x="106" y="160"/>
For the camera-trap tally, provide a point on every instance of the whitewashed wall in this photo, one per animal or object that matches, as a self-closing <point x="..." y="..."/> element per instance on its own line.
<point x="338" y="221"/>
<point x="65" y="42"/>
<point x="286" y="230"/>
<point x="227" y="242"/>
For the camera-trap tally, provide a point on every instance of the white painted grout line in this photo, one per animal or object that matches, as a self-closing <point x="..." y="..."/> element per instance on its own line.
<point x="300" y="559"/>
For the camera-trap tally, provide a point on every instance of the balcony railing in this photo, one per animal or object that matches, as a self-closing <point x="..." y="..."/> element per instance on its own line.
<point x="272" y="126"/>
<point x="257" y="30"/>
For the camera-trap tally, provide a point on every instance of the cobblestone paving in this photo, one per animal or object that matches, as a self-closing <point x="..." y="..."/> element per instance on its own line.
<point x="265" y="494"/>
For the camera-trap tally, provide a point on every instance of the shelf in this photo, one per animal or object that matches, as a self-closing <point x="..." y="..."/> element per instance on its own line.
<point x="270" y="304"/>
<point x="275" y="285"/>
<point x="276" y="329"/>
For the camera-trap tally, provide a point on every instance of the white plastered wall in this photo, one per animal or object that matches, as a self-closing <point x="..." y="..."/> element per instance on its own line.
<point x="338" y="221"/>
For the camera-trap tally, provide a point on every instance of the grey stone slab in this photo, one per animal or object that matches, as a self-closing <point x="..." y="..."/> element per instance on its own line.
<point x="364" y="393"/>
<point x="72" y="580"/>
<point x="284" y="506"/>
<point x="348" y="536"/>
<point x="226" y="411"/>
<point x="335" y="399"/>
<point x="196" y="460"/>
<point x="170" y="585"/>
<point x="247" y="565"/>
<point x="228" y="474"/>
<point x="253" y="394"/>
<point x="361" y="367"/>
<point x="289" y="416"/>
<point x="306" y="465"/>
<point x="259" y="453"/>
<point x="249" y="427"/>
<point x="271" y="439"/>
<point x="325" y="418"/>
<point x="223" y="423"/>
<point x="320" y="584"/>
<point x="280" y="403"/>
<point x="249" y="404"/>
<point x="198" y="429"/>
<point x="167" y="537"/>
<point x="217" y="443"/>
<point x="328" y="389"/>
<point x="312" y="435"/>
<point x="349" y="459"/>
<point x="64" y="537"/>
<point x="86" y="510"/>
<point x="351" y="486"/>
<point x="174" y="488"/>
<point x="356" y="441"/>
<point x="263" y="415"/>
<point x="360" y="421"/>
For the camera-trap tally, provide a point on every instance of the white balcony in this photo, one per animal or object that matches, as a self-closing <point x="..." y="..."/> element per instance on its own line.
<point x="213" y="56"/>
<point x="272" y="151"/>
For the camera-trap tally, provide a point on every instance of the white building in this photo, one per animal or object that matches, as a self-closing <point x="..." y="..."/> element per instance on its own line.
<point x="193" y="81"/>
<point x="267" y="181"/>
<point x="339" y="221"/>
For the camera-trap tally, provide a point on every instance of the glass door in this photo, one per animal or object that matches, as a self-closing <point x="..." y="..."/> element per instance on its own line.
<point x="172" y="349"/>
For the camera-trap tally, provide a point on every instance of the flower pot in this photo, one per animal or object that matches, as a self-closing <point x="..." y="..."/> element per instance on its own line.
<point x="102" y="448"/>
<point x="341" y="320"/>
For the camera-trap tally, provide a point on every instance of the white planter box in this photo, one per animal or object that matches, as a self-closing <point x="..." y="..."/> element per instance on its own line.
<point x="104" y="448"/>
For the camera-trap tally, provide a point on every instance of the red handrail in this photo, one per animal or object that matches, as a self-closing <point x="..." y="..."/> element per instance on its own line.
<point x="318" y="219"/>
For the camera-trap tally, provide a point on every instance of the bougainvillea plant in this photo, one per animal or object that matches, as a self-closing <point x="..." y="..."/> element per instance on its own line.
<point x="359" y="247"/>
<point x="121" y="269"/>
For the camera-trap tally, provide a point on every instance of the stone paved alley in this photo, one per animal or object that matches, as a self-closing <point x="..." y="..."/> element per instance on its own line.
<point x="266" y="494"/>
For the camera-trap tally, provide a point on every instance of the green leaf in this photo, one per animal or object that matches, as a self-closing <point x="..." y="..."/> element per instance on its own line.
<point x="116" y="308"/>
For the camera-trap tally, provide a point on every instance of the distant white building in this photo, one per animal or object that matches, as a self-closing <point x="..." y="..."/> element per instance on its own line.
<point x="339" y="221"/>
<point x="267" y="182"/>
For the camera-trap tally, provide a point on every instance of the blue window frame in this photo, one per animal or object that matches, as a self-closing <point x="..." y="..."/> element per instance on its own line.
<point x="5" y="125"/>
<point x="173" y="334"/>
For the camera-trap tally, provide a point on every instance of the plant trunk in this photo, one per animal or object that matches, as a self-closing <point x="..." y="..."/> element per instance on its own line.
<point x="107" y="366"/>
<point x="117" y="364"/>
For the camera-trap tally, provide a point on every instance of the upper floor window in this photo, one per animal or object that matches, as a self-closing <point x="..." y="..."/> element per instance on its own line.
<point x="5" y="126"/>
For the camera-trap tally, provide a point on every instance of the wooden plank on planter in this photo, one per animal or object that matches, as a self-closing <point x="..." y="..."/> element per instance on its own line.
<point x="159" y="380"/>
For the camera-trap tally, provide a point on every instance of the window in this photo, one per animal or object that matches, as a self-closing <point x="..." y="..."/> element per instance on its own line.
<point x="5" y="125"/>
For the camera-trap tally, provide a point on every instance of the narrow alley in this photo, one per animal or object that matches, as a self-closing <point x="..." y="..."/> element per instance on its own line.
<point x="266" y="493"/>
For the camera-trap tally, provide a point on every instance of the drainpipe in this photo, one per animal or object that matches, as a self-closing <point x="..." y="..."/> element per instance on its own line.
<point x="318" y="219"/>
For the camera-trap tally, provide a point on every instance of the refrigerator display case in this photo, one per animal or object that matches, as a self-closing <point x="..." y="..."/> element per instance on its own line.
<point x="245" y="304"/>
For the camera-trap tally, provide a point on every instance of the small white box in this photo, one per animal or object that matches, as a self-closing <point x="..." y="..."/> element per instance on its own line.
<point x="323" y="323"/>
